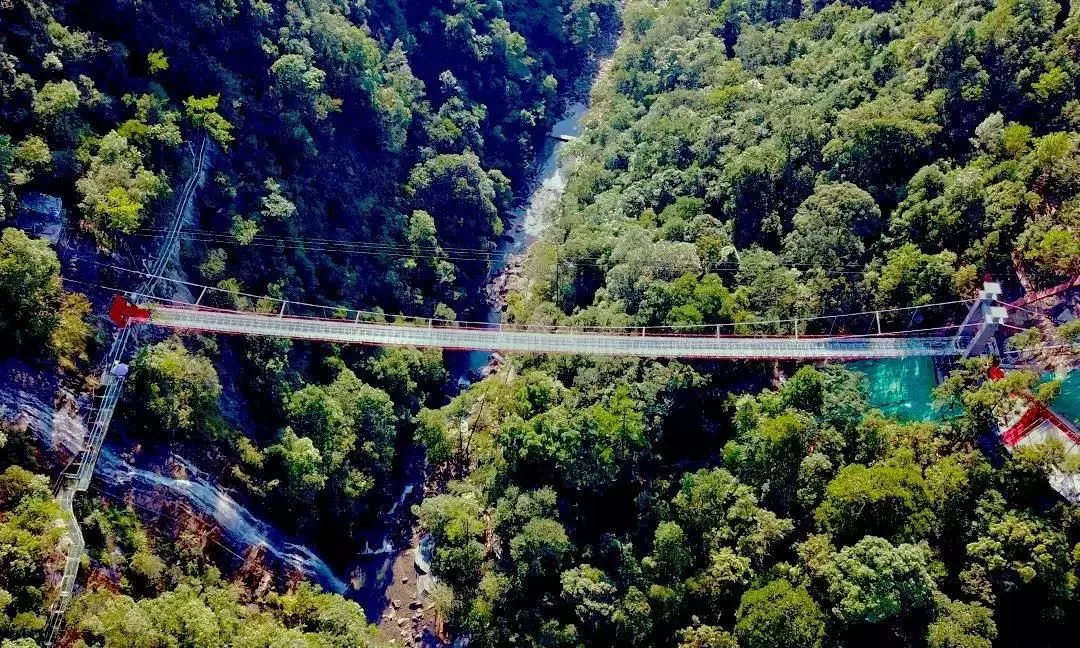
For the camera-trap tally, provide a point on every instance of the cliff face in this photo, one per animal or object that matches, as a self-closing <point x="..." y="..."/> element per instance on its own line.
<point x="34" y="401"/>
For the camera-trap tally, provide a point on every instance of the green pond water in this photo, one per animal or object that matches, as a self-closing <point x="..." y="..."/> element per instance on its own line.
<point x="901" y="387"/>
<point x="1067" y="403"/>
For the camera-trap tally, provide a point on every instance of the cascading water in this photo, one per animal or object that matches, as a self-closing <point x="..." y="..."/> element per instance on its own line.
<point x="63" y="430"/>
<point x="239" y="527"/>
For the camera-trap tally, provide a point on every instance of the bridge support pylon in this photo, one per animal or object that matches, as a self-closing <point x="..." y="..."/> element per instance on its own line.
<point x="988" y="318"/>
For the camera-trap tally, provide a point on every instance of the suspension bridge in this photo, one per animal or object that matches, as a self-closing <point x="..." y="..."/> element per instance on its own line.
<point x="728" y="341"/>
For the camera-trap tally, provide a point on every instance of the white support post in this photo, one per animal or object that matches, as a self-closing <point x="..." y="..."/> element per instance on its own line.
<point x="877" y="318"/>
<point x="281" y="313"/>
<point x="796" y="328"/>
<point x="994" y="317"/>
<point x="980" y="313"/>
<point x="202" y="294"/>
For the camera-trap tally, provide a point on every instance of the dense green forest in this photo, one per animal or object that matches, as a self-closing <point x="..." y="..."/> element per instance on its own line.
<point x="598" y="513"/>
<point x="741" y="165"/>
<point x="741" y="161"/>
<point x="755" y="161"/>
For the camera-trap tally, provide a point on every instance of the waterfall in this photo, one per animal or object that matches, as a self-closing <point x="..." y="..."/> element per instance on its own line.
<point x="387" y="547"/>
<point x="401" y="500"/>
<point x="239" y="527"/>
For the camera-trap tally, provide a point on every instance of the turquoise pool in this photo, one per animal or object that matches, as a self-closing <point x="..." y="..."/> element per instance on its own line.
<point x="1068" y="401"/>
<point x="901" y="387"/>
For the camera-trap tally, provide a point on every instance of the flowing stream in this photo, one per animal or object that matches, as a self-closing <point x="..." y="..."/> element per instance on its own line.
<point x="372" y="573"/>
<point x="61" y="430"/>
<point x="525" y="224"/>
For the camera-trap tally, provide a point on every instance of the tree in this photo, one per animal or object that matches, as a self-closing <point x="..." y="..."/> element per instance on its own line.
<point x="352" y="426"/>
<point x="56" y="98"/>
<point x="670" y="558"/>
<point x="770" y="455"/>
<point x="29" y="532"/>
<point x="203" y="113"/>
<point x="72" y="333"/>
<point x="117" y="187"/>
<point x="911" y="278"/>
<point x="713" y="504"/>
<point x="961" y="625"/>
<point x="455" y="524"/>
<point x="704" y="636"/>
<point x="1057" y="252"/>
<point x="274" y="204"/>
<point x="177" y="393"/>
<point x="300" y="464"/>
<point x="881" y="499"/>
<point x="832" y="227"/>
<point x="633" y="619"/>
<point x="32" y="156"/>
<point x="591" y="594"/>
<point x="459" y="194"/>
<point x="779" y="615"/>
<point x="539" y="548"/>
<point x="873" y="581"/>
<point x="30" y="292"/>
<point x="212" y="614"/>
<point x="156" y="61"/>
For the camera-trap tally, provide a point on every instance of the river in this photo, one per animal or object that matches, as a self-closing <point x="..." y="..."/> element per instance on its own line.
<point x="530" y="217"/>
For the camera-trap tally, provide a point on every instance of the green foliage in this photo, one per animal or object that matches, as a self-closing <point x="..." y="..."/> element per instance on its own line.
<point x="215" y="614"/>
<point x="873" y="581"/>
<point x="203" y="113"/>
<point x="157" y="61"/>
<point x="56" y="98"/>
<point x="29" y="532"/>
<point x="176" y="393"/>
<point x="70" y="338"/>
<point x="29" y="289"/>
<point x="461" y="195"/>
<point x="779" y="615"/>
<point x="882" y="499"/>
<point x="341" y="439"/>
<point x="831" y="226"/>
<point x="454" y="522"/>
<point x="704" y="636"/>
<point x="117" y="187"/>
<point x="961" y="625"/>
